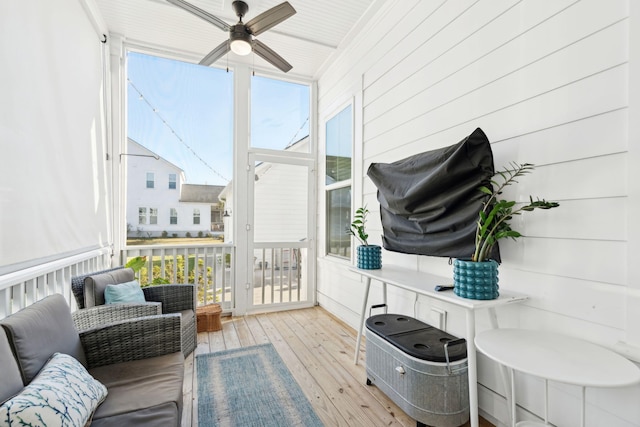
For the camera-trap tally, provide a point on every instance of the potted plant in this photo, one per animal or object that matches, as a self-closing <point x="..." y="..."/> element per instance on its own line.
<point x="477" y="278"/>
<point x="369" y="256"/>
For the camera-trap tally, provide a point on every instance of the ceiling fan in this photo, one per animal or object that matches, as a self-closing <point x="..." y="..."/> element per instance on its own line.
<point x="241" y="36"/>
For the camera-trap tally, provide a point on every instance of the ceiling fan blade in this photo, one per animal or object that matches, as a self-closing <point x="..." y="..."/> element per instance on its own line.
<point x="263" y="51"/>
<point x="216" y="53"/>
<point x="201" y="14"/>
<point x="270" y="18"/>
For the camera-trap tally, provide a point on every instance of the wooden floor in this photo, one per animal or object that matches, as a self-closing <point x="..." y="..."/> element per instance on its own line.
<point x="318" y="350"/>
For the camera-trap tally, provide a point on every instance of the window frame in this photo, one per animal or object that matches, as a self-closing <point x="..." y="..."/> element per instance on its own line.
<point x="153" y="216"/>
<point x="196" y="215"/>
<point x="151" y="181"/>
<point x="338" y="185"/>
<point x="173" y="181"/>
<point x="142" y="215"/>
<point x="173" y="216"/>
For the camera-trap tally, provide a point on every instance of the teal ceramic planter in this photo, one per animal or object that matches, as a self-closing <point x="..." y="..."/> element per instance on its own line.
<point x="475" y="280"/>
<point x="369" y="257"/>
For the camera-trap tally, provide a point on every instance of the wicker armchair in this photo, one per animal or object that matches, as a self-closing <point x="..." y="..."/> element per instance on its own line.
<point x="178" y="299"/>
<point x="131" y="339"/>
<point x="88" y="318"/>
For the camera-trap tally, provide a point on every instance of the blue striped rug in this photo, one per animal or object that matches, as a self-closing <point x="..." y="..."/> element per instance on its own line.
<point x="250" y="386"/>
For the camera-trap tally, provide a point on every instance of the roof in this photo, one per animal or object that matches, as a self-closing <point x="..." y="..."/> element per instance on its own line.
<point x="200" y="193"/>
<point x="134" y="148"/>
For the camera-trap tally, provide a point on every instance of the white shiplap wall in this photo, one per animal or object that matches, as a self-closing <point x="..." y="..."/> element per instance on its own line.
<point x="549" y="82"/>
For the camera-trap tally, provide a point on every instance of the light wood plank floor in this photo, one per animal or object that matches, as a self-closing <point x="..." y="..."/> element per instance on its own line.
<point x="318" y="350"/>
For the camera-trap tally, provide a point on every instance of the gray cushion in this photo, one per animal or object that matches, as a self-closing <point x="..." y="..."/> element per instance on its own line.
<point x="134" y="386"/>
<point x="11" y="382"/>
<point x="38" y="331"/>
<point x="166" y="414"/>
<point x="95" y="285"/>
<point x="77" y="284"/>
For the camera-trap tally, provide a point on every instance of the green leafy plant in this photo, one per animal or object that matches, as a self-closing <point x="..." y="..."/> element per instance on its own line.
<point x="357" y="228"/>
<point x="493" y="223"/>
<point x="136" y="263"/>
<point x="139" y="266"/>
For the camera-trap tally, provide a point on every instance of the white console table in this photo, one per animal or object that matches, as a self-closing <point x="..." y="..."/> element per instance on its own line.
<point x="424" y="284"/>
<point x="556" y="357"/>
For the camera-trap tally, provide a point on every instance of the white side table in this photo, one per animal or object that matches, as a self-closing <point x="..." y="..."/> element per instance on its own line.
<point x="556" y="357"/>
<point x="423" y="284"/>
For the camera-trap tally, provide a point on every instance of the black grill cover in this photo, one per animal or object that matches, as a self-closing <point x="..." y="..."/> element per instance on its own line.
<point x="429" y="202"/>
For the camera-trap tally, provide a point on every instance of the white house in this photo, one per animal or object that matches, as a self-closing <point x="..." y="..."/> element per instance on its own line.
<point x="275" y="186"/>
<point x="160" y="203"/>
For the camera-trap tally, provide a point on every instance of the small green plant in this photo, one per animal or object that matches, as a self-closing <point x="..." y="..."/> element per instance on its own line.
<point x="139" y="266"/>
<point x="357" y="228"/>
<point x="136" y="263"/>
<point x="493" y="223"/>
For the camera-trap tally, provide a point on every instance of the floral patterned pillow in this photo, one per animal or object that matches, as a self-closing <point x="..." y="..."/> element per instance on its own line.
<point x="62" y="394"/>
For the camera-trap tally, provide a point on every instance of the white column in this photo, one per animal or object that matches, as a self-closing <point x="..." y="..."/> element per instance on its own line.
<point x="241" y="135"/>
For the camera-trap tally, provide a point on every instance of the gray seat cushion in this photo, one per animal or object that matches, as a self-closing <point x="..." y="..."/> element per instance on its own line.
<point x="11" y="382"/>
<point x="142" y="392"/>
<point x="95" y="285"/>
<point x="38" y="331"/>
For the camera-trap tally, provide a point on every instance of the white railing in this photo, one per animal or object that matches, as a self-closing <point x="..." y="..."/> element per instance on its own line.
<point x="278" y="273"/>
<point x="209" y="266"/>
<point x="279" y="276"/>
<point x="22" y="288"/>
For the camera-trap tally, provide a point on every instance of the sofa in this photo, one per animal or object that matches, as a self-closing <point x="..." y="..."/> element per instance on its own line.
<point x="88" y="290"/>
<point x="124" y="373"/>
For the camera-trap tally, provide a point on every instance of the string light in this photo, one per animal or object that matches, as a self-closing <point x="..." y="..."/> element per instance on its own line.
<point x="293" y="139"/>
<point x="155" y="111"/>
<point x="164" y="122"/>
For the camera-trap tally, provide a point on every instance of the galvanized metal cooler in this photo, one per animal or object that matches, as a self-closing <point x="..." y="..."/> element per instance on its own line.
<point x="421" y="368"/>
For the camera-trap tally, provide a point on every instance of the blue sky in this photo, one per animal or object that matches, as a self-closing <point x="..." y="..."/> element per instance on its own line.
<point x="192" y="125"/>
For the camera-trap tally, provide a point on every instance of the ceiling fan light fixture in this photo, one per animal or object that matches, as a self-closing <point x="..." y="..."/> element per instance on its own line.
<point x="241" y="47"/>
<point x="240" y="40"/>
<point x="241" y="36"/>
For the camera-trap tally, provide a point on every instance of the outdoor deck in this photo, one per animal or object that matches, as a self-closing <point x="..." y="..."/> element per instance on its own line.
<point x="318" y="349"/>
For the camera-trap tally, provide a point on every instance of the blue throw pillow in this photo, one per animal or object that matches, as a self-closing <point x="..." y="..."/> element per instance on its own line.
<point x="124" y="292"/>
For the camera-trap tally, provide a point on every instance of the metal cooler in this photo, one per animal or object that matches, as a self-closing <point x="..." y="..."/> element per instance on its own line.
<point x="421" y="368"/>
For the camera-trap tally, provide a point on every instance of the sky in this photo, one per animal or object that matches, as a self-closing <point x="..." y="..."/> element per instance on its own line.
<point x="184" y="113"/>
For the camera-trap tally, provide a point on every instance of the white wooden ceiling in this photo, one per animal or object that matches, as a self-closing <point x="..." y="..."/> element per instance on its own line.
<point x="307" y="40"/>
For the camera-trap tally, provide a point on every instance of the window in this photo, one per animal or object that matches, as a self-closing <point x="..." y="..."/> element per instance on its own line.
<point x="150" y="180"/>
<point x="279" y="128"/>
<point x="196" y="216"/>
<point x="338" y="182"/>
<point x="142" y="215"/>
<point x="176" y="122"/>
<point x="153" y="215"/>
